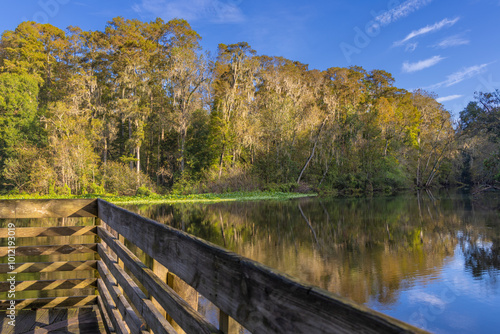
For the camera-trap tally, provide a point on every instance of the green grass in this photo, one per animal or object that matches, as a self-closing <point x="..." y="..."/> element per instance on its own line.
<point x="171" y="198"/>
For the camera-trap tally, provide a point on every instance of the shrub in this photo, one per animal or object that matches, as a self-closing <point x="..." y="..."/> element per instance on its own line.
<point x="144" y="191"/>
<point x="97" y="189"/>
<point x="237" y="178"/>
<point x="119" y="178"/>
<point x="65" y="190"/>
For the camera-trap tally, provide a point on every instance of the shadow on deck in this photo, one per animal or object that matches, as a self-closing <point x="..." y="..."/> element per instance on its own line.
<point x="72" y="320"/>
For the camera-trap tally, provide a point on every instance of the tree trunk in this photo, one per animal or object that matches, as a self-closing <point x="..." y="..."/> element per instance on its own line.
<point x="220" y="163"/>
<point x="158" y="164"/>
<point x="138" y="156"/>
<point x="222" y="156"/>
<point x="313" y="150"/>
<point x="183" y="144"/>
<point x="122" y="137"/>
<point x="131" y="164"/>
<point x="324" y="174"/>
<point x="105" y="151"/>
<point x="418" y="162"/>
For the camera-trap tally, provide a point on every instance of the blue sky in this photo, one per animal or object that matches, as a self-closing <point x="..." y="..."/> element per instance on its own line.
<point x="449" y="47"/>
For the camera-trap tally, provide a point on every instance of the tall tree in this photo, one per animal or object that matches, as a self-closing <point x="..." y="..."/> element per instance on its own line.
<point x="434" y="137"/>
<point x="479" y="140"/>
<point x="233" y="91"/>
<point x="187" y="73"/>
<point x="129" y="56"/>
<point x="19" y="124"/>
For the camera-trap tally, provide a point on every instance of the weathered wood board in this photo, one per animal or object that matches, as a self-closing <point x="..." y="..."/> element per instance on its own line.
<point x="48" y="208"/>
<point x="182" y="313"/>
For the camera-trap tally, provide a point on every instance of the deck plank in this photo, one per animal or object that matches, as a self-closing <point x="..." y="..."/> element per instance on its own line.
<point x="73" y="320"/>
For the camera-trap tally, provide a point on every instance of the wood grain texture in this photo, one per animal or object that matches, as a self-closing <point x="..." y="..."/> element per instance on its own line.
<point x="57" y="231"/>
<point x="258" y="297"/>
<point x="76" y="321"/>
<point x="128" y="315"/>
<point x="84" y="321"/>
<point x="62" y="284"/>
<point x="45" y="267"/>
<point x="153" y="317"/>
<point x="114" y="315"/>
<point x="48" y="208"/>
<point x="36" y="303"/>
<point x="108" y="325"/>
<point x="180" y="311"/>
<point x="50" y="250"/>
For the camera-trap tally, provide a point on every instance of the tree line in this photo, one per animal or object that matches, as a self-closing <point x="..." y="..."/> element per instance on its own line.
<point x="140" y="107"/>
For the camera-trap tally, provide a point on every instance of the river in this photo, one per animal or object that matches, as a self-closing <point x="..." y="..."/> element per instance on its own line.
<point x="432" y="260"/>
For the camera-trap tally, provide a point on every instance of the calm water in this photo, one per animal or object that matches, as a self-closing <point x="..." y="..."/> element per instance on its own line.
<point x="430" y="260"/>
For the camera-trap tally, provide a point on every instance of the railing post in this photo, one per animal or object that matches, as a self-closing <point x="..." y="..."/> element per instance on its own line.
<point x="223" y="322"/>
<point x="97" y="240"/>
<point x="162" y="273"/>
<point x="121" y="238"/>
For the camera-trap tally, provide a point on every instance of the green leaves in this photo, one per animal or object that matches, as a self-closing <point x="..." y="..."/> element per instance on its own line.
<point x="480" y="139"/>
<point x="18" y="109"/>
<point x="140" y="101"/>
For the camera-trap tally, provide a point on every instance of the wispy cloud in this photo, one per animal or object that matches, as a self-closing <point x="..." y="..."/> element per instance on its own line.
<point x="423" y="297"/>
<point x="460" y="76"/>
<point x="448" y="98"/>
<point x="410" y="47"/>
<point x="427" y="29"/>
<point x="454" y="40"/>
<point x="420" y="65"/>
<point x="401" y="11"/>
<point x="215" y="11"/>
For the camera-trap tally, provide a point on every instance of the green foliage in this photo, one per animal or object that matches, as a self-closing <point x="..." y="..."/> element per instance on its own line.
<point x="284" y="187"/>
<point x="65" y="190"/>
<point x="199" y="155"/>
<point x="170" y="198"/>
<point x="18" y="108"/>
<point x="120" y="179"/>
<point x="138" y="109"/>
<point x="127" y="159"/>
<point x="144" y="192"/>
<point x="96" y="189"/>
<point x="479" y="139"/>
<point x="185" y="185"/>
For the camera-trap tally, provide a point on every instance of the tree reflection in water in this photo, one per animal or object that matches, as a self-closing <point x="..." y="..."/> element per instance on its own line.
<point x="364" y="248"/>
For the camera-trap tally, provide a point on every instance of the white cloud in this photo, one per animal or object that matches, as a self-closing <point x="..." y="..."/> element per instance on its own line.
<point x="427" y="29"/>
<point x="448" y="98"/>
<point x="401" y="11"/>
<point x="455" y="40"/>
<point x="216" y="11"/>
<point x="410" y="47"/>
<point x="420" y="65"/>
<point x="423" y="297"/>
<point x="460" y="76"/>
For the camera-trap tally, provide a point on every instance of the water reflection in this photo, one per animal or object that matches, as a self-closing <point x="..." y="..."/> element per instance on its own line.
<point x="409" y="256"/>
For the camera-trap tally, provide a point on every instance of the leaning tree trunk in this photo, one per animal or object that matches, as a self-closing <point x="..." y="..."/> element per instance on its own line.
<point x="313" y="150"/>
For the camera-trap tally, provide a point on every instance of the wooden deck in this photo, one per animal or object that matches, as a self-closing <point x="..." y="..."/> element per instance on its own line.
<point x="118" y="272"/>
<point x="55" y="321"/>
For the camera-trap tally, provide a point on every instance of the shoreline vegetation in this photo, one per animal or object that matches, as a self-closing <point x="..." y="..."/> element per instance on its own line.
<point x="139" y="109"/>
<point x="175" y="198"/>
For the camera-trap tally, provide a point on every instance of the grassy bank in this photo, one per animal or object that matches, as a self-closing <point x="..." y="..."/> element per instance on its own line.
<point x="171" y="199"/>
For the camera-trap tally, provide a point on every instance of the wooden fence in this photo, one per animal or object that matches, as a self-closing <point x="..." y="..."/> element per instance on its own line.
<point x="137" y="298"/>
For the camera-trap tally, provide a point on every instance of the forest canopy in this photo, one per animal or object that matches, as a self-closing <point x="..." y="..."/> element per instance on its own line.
<point x="141" y="108"/>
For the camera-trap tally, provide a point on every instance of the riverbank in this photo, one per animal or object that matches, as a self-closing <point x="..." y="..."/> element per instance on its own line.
<point x="171" y="198"/>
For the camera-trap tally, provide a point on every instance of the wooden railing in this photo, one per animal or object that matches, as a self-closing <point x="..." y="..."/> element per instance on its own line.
<point x="136" y="298"/>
